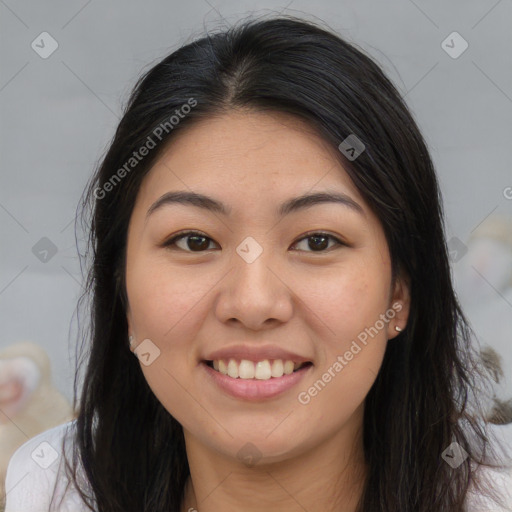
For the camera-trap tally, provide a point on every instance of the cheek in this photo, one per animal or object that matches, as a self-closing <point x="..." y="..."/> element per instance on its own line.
<point x="168" y="306"/>
<point x="347" y="309"/>
<point x="351" y="350"/>
<point x="162" y="299"/>
<point x="347" y="299"/>
<point x="164" y="305"/>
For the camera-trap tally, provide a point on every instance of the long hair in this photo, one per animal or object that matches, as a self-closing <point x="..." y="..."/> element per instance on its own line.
<point x="131" y="448"/>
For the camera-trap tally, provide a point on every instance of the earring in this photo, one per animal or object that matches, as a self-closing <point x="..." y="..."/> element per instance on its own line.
<point x="398" y="329"/>
<point x="130" y="340"/>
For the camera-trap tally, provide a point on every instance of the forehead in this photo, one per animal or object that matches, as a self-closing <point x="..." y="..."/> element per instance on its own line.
<point x="248" y="158"/>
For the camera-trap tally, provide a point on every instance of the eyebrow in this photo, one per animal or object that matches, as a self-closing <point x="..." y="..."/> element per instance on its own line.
<point x="291" y="205"/>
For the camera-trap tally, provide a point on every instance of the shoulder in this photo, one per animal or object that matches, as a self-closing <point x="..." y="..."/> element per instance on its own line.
<point x="36" y="473"/>
<point x="497" y="481"/>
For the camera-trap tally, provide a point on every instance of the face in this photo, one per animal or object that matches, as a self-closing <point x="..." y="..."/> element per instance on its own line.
<point x="257" y="284"/>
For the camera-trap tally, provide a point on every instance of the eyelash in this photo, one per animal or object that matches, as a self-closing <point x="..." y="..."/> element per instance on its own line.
<point x="172" y="241"/>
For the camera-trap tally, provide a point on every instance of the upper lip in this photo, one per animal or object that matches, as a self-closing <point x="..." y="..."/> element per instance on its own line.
<point x="255" y="354"/>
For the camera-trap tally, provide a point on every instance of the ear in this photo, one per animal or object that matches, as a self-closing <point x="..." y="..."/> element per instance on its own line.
<point x="131" y="331"/>
<point x="400" y="303"/>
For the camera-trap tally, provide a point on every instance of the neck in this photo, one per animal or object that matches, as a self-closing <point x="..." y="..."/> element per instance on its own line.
<point x="328" y="477"/>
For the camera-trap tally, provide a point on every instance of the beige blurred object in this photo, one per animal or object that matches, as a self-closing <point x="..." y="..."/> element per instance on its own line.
<point x="29" y="403"/>
<point x="497" y="227"/>
<point x="484" y="287"/>
<point x="489" y="257"/>
<point x="501" y="411"/>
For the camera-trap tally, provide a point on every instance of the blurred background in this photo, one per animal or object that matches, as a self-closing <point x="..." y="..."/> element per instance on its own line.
<point x="67" y="68"/>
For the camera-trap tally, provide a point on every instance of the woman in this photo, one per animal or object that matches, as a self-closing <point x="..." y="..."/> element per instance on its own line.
<point x="274" y="325"/>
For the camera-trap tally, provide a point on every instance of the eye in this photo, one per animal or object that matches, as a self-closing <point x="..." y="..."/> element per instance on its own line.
<point x="319" y="241"/>
<point x="197" y="242"/>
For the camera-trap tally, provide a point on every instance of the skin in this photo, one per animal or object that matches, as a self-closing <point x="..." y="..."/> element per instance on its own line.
<point x="313" y="302"/>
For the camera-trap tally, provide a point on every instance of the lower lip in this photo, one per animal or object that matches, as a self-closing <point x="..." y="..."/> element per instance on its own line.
<point x="255" y="389"/>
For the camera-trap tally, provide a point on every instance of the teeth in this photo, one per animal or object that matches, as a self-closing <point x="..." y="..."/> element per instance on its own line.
<point x="223" y="367"/>
<point x="246" y="369"/>
<point x="262" y="370"/>
<point x="288" y="367"/>
<point x="277" y="368"/>
<point x="233" y="369"/>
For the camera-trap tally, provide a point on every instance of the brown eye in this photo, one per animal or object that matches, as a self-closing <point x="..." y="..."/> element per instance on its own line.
<point x="318" y="242"/>
<point x="195" y="241"/>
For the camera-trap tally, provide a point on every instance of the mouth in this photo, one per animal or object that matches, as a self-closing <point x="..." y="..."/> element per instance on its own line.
<point x="255" y="381"/>
<point x="266" y="369"/>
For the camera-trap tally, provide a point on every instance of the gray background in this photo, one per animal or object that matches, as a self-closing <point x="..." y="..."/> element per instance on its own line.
<point x="58" y="115"/>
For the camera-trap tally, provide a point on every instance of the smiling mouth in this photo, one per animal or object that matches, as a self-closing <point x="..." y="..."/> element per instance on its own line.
<point x="260" y="370"/>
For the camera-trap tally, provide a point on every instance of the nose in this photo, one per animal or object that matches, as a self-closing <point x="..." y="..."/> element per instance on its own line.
<point x="255" y="294"/>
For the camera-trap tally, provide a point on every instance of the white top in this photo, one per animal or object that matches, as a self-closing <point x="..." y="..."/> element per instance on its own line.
<point x="38" y="465"/>
<point x="37" y="468"/>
